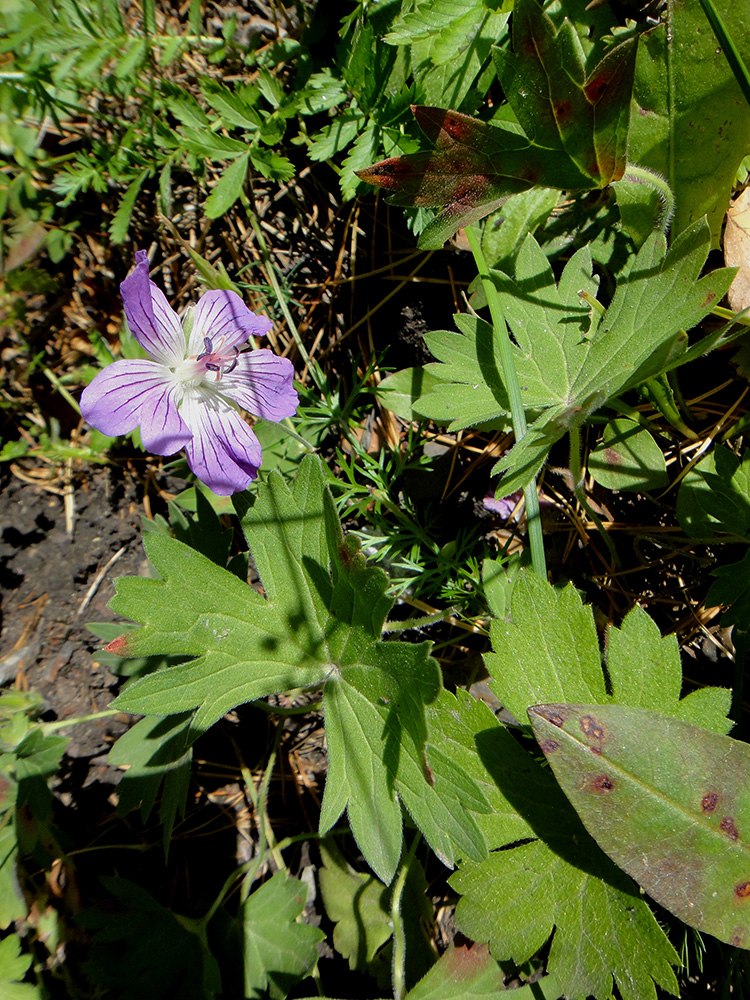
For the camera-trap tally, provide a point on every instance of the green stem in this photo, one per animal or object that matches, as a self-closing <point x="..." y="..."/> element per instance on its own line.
<point x="730" y="50"/>
<point x="399" y="935"/>
<point x="661" y="394"/>
<point x="517" y="414"/>
<point x="52" y="727"/>
<point x="641" y="175"/>
<point x="62" y="390"/>
<point x="576" y="470"/>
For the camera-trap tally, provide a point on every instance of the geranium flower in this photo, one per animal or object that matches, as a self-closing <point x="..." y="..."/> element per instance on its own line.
<point x="188" y="395"/>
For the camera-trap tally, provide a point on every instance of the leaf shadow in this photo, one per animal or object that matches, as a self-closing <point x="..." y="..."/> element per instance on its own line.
<point x="536" y="796"/>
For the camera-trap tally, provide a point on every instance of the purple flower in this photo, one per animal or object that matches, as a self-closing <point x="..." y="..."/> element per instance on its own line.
<point x="504" y="506"/>
<point x="188" y="395"/>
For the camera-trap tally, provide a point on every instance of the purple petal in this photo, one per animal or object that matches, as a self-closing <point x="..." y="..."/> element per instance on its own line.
<point x="262" y="384"/>
<point x="153" y="322"/>
<point x="504" y="506"/>
<point x="222" y="313"/>
<point x="129" y="393"/>
<point x="224" y="453"/>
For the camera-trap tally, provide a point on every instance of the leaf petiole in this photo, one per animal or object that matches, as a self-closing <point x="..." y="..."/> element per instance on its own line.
<point x="512" y="385"/>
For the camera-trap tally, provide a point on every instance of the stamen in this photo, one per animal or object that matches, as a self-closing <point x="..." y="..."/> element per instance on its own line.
<point x="208" y="348"/>
<point x="209" y="366"/>
<point x="234" y="363"/>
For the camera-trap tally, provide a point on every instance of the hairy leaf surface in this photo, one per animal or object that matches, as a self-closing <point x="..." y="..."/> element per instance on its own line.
<point x="320" y="623"/>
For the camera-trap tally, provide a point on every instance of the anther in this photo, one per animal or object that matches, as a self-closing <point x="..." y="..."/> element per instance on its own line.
<point x="208" y="348"/>
<point x="234" y="363"/>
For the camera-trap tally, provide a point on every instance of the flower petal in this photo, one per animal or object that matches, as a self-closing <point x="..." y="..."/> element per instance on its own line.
<point x="224" y="453"/>
<point x="129" y="393"/>
<point x="222" y="313"/>
<point x="153" y="322"/>
<point x="262" y="384"/>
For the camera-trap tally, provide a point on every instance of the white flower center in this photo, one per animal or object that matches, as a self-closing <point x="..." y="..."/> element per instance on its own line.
<point x="216" y="359"/>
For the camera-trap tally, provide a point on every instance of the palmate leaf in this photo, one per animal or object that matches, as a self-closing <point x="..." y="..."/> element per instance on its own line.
<point x="571" y="361"/>
<point x="278" y="950"/>
<point x="556" y="878"/>
<point x="572" y="133"/>
<point x="668" y="801"/>
<point x="320" y="623"/>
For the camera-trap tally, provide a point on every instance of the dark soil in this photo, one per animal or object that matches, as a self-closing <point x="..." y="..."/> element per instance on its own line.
<point x="52" y="581"/>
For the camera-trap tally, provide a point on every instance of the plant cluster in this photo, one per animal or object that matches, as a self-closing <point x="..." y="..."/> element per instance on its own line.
<point x="587" y="819"/>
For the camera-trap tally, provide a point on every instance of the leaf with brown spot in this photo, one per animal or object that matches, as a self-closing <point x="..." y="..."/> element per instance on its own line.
<point x="668" y="801"/>
<point x="572" y="132"/>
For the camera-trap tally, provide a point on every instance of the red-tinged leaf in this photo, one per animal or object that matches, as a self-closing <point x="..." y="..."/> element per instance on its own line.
<point x="668" y="801"/>
<point x="471" y="973"/>
<point x="572" y="132"/>
<point x="474" y="168"/>
<point x="119" y="646"/>
<point x="558" y="103"/>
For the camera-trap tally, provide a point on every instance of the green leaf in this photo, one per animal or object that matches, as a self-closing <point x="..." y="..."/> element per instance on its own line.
<point x="551" y="645"/>
<point x="13" y="967"/>
<point x="279" y="951"/>
<point x="359" y="907"/>
<point x="336" y="137"/>
<point x="155" y="752"/>
<point x="271" y="164"/>
<point x="320" y="623"/>
<point x="573" y="129"/>
<point x="715" y="495"/>
<point x="696" y="131"/>
<point x="549" y="652"/>
<point x="505" y="231"/>
<point x="450" y="66"/>
<point x="207" y="144"/>
<point x="668" y="801"/>
<point x="432" y="17"/>
<point x="545" y="873"/>
<point x="399" y="392"/>
<point x="628" y="458"/>
<point x="658" y="685"/>
<point x="235" y="108"/>
<point x="498" y="580"/>
<point x="570" y="361"/>
<point x="731" y="587"/>
<point x="470" y="388"/>
<point x="141" y="949"/>
<point x="228" y="188"/>
<point x="12" y="903"/>
<point x="118" y="227"/>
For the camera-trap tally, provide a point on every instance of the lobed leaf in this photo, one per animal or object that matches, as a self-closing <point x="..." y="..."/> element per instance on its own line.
<point x="572" y="133"/>
<point x="279" y="950"/>
<point x="320" y="623"/>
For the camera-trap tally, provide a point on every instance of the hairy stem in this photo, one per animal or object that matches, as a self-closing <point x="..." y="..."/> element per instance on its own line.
<point x="517" y="414"/>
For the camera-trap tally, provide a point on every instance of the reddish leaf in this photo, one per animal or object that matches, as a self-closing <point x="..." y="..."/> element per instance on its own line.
<point x="572" y="132"/>
<point x="668" y="801"/>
